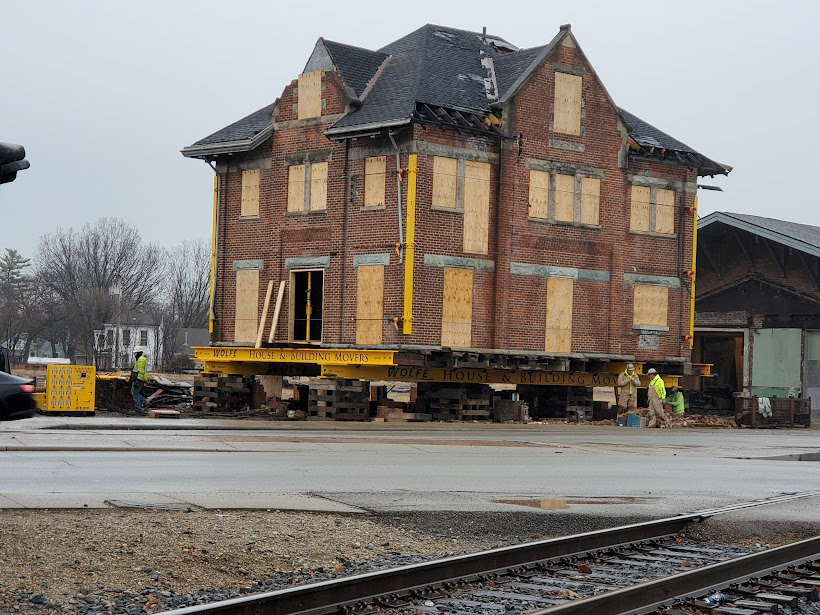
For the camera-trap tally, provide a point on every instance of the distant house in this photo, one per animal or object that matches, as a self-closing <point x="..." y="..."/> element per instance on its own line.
<point x="136" y="329"/>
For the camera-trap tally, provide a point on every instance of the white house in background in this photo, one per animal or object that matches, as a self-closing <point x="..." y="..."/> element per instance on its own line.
<point x="136" y="329"/>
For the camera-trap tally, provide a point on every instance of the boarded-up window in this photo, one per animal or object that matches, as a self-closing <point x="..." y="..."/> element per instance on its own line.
<point x="310" y="95"/>
<point x="296" y="188"/>
<point x="650" y="305"/>
<point x="476" y="206"/>
<point x="539" y="194"/>
<point x="369" y="304"/>
<point x="567" y="114"/>
<point x="247" y="305"/>
<point x="590" y="200"/>
<point x="639" y="219"/>
<point x="374" y="181"/>
<point x="457" y="308"/>
<point x="564" y="198"/>
<point x="250" y="193"/>
<point x="318" y="186"/>
<point x="445" y="182"/>
<point x="558" y="336"/>
<point x="665" y="212"/>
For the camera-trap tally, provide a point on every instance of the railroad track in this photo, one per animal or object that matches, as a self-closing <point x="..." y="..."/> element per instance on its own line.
<point x="636" y="569"/>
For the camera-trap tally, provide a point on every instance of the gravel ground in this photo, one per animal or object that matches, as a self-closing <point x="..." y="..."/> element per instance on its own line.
<point x="138" y="561"/>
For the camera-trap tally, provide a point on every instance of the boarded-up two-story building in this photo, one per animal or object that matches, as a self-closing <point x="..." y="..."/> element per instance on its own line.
<point x="544" y="220"/>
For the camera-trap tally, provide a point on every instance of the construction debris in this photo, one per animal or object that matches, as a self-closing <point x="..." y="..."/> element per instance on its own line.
<point x="114" y="392"/>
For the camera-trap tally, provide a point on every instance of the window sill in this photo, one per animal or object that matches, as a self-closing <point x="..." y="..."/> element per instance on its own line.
<point x="649" y="328"/>
<point x="452" y="210"/>
<point x="256" y="217"/>
<point x="313" y="212"/>
<point x="653" y="234"/>
<point x="372" y="207"/>
<point x="564" y="223"/>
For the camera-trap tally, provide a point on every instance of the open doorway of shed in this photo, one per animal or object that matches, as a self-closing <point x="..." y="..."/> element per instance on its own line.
<point x="306" y="302"/>
<point x="725" y="350"/>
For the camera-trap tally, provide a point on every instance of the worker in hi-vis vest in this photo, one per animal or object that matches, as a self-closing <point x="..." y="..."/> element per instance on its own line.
<point x="657" y="393"/>
<point x="628" y="383"/>
<point x="139" y="374"/>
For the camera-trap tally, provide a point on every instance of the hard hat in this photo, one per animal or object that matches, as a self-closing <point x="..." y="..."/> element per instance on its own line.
<point x="674" y="389"/>
<point x="141" y="349"/>
<point x="630" y="366"/>
<point x="651" y="371"/>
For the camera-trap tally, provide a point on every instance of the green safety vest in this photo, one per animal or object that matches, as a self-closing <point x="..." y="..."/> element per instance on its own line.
<point x="676" y="401"/>
<point x="140" y="368"/>
<point x="629" y="378"/>
<point x="657" y="384"/>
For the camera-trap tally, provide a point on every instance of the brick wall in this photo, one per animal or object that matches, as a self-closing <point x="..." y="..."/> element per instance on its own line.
<point x="508" y="310"/>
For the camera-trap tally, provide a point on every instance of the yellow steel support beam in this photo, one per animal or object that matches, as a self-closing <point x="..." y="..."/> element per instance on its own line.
<point x="693" y="273"/>
<point x="407" y="323"/>
<point x="213" y="255"/>
<point x="226" y="354"/>
<point x="465" y="375"/>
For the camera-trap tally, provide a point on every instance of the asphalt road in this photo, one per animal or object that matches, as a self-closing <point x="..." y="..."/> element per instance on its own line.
<point x="558" y="471"/>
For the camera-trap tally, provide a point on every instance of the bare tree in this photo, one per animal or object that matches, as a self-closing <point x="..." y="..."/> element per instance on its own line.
<point x="81" y="267"/>
<point x="189" y="282"/>
<point x="14" y="286"/>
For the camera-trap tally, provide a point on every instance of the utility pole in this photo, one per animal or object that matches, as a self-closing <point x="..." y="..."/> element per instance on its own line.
<point x="117" y="290"/>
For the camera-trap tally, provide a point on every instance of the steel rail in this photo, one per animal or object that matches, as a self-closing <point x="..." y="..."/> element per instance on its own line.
<point x="327" y="596"/>
<point x="649" y="596"/>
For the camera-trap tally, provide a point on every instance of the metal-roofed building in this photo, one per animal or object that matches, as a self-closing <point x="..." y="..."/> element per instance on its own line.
<point x="758" y="305"/>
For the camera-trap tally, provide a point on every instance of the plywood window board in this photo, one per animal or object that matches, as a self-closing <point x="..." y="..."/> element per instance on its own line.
<point x="250" y="193"/>
<point x="564" y="198"/>
<point x="296" y="188"/>
<point x="665" y="211"/>
<point x="539" y="194"/>
<point x="369" y="304"/>
<point x="476" y="207"/>
<point x="457" y="308"/>
<point x="567" y="104"/>
<point x="590" y="200"/>
<point x="246" y="315"/>
<point x="318" y="186"/>
<point x="310" y="95"/>
<point x="445" y="182"/>
<point x="639" y="216"/>
<point x="374" y="173"/>
<point x="558" y="336"/>
<point x="650" y="305"/>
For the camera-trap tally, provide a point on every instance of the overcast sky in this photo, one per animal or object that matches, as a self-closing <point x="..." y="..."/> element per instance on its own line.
<point x="104" y="94"/>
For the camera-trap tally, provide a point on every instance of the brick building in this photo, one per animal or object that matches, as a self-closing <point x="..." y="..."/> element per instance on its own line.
<point x="548" y="221"/>
<point x="758" y="306"/>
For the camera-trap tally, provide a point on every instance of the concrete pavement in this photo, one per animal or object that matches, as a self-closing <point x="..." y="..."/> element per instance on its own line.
<point x="550" y="469"/>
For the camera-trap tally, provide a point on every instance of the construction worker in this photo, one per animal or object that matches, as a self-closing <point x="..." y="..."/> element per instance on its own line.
<point x="628" y="383"/>
<point x="657" y="393"/>
<point x="139" y="374"/>
<point x="674" y="401"/>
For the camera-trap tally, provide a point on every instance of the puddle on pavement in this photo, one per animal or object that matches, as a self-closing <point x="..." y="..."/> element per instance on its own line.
<point x="550" y="504"/>
<point x="801" y="457"/>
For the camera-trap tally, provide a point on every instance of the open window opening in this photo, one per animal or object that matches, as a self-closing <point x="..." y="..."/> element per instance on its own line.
<point x="306" y="300"/>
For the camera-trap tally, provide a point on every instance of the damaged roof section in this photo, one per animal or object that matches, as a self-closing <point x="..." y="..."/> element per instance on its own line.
<point x="356" y="65"/>
<point x="649" y="142"/>
<point x="241" y="136"/>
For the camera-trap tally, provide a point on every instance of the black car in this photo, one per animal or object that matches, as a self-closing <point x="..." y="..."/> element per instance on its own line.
<point x="16" y="399"/>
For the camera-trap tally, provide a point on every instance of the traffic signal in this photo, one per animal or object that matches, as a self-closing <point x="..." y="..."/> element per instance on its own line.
<point x="12" y="159"/>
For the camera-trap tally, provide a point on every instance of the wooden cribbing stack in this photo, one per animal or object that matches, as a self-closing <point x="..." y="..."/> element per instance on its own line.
<point x="340" y="400"/>
<point x="215" y="393"/>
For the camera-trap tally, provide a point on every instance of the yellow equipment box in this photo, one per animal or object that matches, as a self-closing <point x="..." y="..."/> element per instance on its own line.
<point x="70" y="388"/>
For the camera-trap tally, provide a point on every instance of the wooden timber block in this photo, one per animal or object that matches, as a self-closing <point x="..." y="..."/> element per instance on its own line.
<point x="158" y="413"/>
<point x="352" y="416"/>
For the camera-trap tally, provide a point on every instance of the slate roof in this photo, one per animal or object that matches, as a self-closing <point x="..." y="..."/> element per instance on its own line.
<point x="246" y="129"/>
<point x="357" y="65"/>
<point x="804" y="237"/>
<point x="447" y="68"/>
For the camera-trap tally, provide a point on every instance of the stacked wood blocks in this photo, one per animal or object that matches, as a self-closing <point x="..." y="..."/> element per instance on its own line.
<point x="455" y="403"/>
<point x="215" y="393"/>
<point x="340" y="400"/>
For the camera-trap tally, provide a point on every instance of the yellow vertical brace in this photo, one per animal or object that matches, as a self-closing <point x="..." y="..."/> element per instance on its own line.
<point x="213" y="256"/>
<point x="694" y="270"/>
<point x="411" y="247"/>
